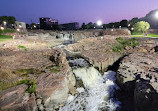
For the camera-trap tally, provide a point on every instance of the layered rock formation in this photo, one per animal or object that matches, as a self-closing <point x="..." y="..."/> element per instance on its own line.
<point x="98" y="51"/>
<point x="53" y="82"/>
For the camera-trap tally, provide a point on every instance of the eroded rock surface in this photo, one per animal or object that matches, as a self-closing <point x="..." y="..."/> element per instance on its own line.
<point x="16" y="99"/>
<point x="98" y="51"/>
<point x="137" y="75"/>
<point x="53" y="78"/>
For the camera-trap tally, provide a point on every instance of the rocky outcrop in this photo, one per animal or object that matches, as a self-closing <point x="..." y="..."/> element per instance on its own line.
<point x="98" y="51"/>
<point x="53" y="89"/>
<point x="52" y="85"/>
<point x="145" y="96"/>
<point x="15" y="99"/>
<point x="137" y="76"/>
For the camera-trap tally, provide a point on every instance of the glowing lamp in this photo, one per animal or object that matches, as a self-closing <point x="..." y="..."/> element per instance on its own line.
<point x="99" y="23"/>
<point x="2" y="28"/>
<point x="18" y="30"/>
<point x="156" y="14"/>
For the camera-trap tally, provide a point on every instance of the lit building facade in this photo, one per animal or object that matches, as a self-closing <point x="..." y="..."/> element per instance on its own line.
<point x="48" y="23"/>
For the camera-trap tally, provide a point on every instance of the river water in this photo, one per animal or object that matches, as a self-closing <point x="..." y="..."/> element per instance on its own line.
<point x="97" y="92"/>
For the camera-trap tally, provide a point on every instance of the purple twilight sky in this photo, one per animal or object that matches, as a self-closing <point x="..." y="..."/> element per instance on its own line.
<point x="77" y="10"/>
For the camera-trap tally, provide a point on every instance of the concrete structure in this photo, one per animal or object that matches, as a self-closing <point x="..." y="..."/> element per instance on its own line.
<point x="48" y="23"/>
<point x="20" y="26"/>
<point x="70" y="26"/>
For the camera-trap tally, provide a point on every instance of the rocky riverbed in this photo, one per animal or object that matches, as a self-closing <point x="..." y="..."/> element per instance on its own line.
<point x="39" y="76"/>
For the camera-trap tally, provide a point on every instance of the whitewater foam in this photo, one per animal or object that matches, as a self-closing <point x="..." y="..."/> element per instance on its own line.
<point x="98" y="92"/>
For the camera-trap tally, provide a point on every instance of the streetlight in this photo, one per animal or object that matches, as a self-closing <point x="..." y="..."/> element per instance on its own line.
<point x="4" y="22"/>
<point x="156" y="14"/>
<point x="99" y="23"/>
<point x="18" y="30"/>
<point x="2" y="28"/>
<point x="132" y="29"/>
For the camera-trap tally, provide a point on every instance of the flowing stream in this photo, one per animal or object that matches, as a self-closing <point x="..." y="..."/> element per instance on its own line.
<point x="97" y="92"/>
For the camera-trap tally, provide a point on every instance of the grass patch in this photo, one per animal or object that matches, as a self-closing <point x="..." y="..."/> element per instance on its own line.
<point x="25" y="72"/>
<point x="31" y="85"/>
<point x="5" y="37"/>
<point x="7" y="84"/>
<point x="123" y="43"/>
<point x="137" y="35"/>
<point x="54" y="68"/>
<point x="153" y="35"/>
<point x="22" y="47"/>
<point x="7" y="31"/>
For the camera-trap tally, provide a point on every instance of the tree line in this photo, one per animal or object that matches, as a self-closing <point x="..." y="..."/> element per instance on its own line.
<point x="123" y="24"/>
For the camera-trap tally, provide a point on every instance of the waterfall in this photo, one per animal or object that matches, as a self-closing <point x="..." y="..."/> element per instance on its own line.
<point x="97" y="94"/>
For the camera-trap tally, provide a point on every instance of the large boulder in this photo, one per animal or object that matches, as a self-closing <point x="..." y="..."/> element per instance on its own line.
<point x="137" y="77"/>
<point x="53" y="88"/>
<point x="52" y="80"/>
<point x="16" y="99"/>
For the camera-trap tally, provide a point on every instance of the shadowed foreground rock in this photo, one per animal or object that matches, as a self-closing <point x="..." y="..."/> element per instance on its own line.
<point x="137" y="76"/>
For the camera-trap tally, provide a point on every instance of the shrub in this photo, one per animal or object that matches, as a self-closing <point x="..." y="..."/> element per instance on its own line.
<point x="123" y="43"/>
<point x="141" y="26"/>
<point x="7" y="31"/>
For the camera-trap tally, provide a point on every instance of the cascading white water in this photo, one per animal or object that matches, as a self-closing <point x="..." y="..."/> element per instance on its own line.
<point x="98" y="92"/>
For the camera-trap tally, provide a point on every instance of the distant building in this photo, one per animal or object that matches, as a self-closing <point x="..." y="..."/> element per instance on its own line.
<point x="48" y="23"/>
<point x="70" y="26"/>
<point x="20" y="26"/>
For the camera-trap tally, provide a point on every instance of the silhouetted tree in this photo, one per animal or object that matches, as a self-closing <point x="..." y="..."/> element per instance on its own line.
<point x="83" y="26"/>
<point x="90" y="25"/>
<point x="124" y="23"/>
<point x="8" y="19"/>
<point x="133" y="21"/>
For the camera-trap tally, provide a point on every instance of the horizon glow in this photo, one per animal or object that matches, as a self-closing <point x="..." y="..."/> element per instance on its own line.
<point x="77" y="10"/>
